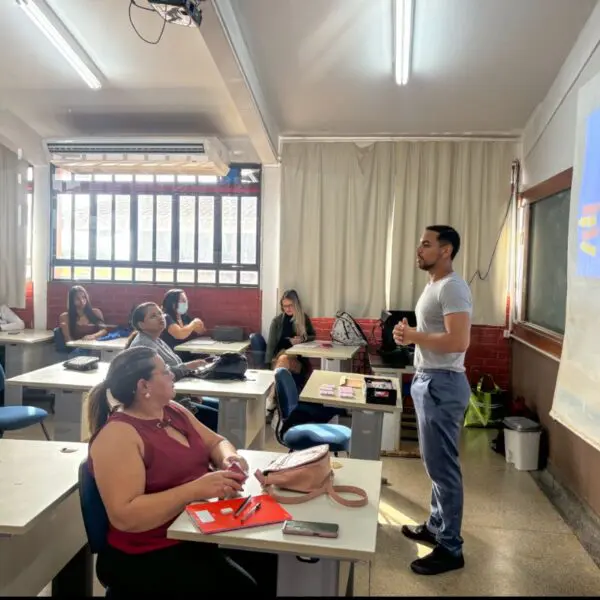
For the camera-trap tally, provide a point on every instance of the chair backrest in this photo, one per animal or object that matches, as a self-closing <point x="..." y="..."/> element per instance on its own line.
<point x="286" y="393"/>
<point x="94" y="514"/>
<point x="258" y="348"/>
<point x="59" y="340"/>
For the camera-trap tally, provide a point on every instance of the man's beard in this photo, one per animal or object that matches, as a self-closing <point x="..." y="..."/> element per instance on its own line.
<point x="425" y="266"/>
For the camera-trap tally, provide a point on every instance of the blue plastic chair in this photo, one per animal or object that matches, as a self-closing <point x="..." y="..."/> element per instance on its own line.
<point x="308" y="435"/>
<point x="258" y="349"/>
<point x="95" y="518"/>
<point x="13" y="418"/>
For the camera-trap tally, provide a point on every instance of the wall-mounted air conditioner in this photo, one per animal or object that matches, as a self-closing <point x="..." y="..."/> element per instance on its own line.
<point x="191" y="156"/>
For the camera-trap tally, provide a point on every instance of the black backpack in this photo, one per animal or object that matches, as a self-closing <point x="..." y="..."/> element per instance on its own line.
<point x="230" y="365"/>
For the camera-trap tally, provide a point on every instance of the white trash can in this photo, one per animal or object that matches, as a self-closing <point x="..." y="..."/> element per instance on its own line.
<point x="522" y="443"/>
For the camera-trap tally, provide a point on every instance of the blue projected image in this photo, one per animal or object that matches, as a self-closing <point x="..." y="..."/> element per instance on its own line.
<point x="588" y="223"/>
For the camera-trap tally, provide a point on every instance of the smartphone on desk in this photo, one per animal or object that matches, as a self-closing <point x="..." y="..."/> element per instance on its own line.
<point x="308" y="528"/>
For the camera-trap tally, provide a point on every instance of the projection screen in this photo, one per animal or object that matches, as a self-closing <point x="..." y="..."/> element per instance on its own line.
<point x="577" y="396"/>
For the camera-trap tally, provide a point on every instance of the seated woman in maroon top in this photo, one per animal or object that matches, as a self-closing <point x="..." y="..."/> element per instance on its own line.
<point x="150" y="458"/>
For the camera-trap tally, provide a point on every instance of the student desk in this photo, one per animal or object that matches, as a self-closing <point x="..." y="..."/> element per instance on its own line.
<point x="208" y="346"/>
<point x="367" y="419"/>
<point x="241" y="409"/>
<point x="42" y="537"/>
<point x="24" y="350"/>
<point x="392" y="422"/>
<point x="107" y="349"/>
<point x="333" y="358"/>
<point x="318" y="570"/>
<point x="241" y="405"/>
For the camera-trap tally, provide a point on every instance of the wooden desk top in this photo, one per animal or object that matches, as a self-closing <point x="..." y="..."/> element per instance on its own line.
<point x="317" y="350"/>
<point x="26" y="336"/>
<point x="311" y="393"/>
<point x="34" y="477"/>
<point x="208" y="346"/>
<point x="257" y="384"/>
<point x="118" y="344"/>
<point x="358" y="526"/>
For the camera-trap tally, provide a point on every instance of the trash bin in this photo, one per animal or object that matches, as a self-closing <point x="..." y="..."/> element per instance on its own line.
<point x="522" y="443"/>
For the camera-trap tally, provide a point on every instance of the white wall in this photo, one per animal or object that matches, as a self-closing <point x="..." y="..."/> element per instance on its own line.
<point x="40" y="252"/>
<point x="549" y="136"/>
<point x="270" y="226"/>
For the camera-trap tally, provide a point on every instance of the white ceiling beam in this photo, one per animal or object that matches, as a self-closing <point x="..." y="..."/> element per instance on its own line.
<point x="17" y="136"/>
<point x="223" y="37"/>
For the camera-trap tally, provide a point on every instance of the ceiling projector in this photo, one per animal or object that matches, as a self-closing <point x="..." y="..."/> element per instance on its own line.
<point x="179" y="12"/>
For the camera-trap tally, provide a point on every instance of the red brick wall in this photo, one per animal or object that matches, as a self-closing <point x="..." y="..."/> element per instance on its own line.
<point x="489" y="351"/>
<point x="27" y="313"/>
<point x="215" y="306"/>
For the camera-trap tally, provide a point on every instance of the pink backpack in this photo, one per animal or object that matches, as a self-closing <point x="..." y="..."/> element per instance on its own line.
<point x="308" y="471"/>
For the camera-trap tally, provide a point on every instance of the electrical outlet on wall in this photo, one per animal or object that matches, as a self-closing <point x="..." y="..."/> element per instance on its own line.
<point x="506" y="333"/>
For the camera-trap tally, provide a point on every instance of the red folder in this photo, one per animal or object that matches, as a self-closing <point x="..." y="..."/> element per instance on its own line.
<point x="208" y="518"/>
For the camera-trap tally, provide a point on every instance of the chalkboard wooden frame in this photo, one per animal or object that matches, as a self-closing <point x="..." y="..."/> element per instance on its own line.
<point x="543" y="339"/>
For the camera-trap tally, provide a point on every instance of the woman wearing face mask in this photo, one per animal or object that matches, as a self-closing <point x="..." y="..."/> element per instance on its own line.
<point x="180" y="327"/>
<point x="148" y="322"/>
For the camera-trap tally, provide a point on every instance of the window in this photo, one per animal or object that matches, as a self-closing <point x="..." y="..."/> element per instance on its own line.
<point x="184" y="229"/>
<point x="542" y="263"/>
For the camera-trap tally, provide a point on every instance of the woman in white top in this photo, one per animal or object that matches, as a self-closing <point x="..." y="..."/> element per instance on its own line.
<point x="9" y="321"/>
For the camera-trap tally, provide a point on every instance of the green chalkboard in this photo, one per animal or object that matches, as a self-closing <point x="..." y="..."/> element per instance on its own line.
<point x="546" y="295"/>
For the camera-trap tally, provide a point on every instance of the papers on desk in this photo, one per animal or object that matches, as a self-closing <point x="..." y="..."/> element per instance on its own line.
<point x="203" y="342"/>
<point x="219" y="516"/>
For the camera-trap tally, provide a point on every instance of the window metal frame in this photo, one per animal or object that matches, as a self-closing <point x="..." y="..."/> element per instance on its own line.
<point x="176" y="190"/>
<point x="541" y="338"/>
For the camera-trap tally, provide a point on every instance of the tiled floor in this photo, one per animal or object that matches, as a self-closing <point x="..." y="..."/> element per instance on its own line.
<point x="516" y="544"/>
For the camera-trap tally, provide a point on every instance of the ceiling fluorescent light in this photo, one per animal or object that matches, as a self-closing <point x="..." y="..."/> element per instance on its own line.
<point x="403" y="26"/>
<point x="43" y="20"/>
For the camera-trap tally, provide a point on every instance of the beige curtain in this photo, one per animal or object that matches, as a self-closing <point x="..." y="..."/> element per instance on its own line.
<point x="351" y="219"/>
<point x="465" y="184"/>
<point x="13" y="228"/>
<point x="335" y="216"/>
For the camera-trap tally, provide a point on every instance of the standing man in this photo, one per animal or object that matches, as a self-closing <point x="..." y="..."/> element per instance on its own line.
<point x="440" y="393"/>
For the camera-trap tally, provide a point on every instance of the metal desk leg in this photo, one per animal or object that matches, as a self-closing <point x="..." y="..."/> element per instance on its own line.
<point x="365" y="440"/>
<point x="15" y="361"/>
<point x="76" y="578"/>
<point x="108" y="355"/>
<point x="307" y="577"/>
<point x="232" y="421"/>
<point x="22" y="358"/>
<point x="67" y="415"/>
<point x="339" y="366"/>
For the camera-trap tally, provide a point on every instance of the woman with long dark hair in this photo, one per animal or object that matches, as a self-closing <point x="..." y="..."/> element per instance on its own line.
<point x="150" y="458"/>
<point x="148" y="323"/>
<point x="180" y="327"/>
<point x="81" y="321"/>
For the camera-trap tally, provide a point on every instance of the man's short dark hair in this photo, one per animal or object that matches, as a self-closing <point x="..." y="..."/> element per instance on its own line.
<point x="447" y="235"/>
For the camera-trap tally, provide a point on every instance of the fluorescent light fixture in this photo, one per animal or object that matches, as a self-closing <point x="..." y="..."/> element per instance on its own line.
<point x="73" y="57"/>
<point x="403" y="25"/>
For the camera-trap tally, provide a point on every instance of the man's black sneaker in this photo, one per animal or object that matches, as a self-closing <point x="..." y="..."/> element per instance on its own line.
<point x="439" y="561"/>
<point x="419" y="533"/>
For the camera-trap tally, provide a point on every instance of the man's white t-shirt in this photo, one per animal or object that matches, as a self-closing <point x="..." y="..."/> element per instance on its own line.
<point x="448" y="295"/>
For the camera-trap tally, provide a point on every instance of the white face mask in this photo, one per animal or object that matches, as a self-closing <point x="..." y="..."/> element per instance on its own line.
<point x="182" y="308"/>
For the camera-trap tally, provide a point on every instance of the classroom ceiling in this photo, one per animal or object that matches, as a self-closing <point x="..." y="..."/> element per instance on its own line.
<point x="173" y="88"/>
<point x="325" y="68"/>
<point x="478" y="65"/>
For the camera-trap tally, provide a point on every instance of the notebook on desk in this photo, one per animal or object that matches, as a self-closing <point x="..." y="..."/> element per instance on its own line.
<point x="219" y="516"/>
